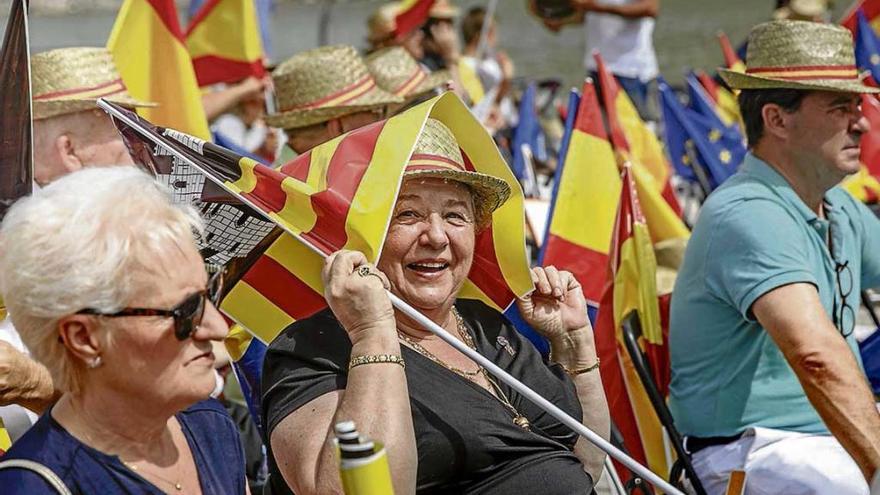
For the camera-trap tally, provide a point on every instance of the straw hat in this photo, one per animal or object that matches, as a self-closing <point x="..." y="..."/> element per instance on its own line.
<point x="397" y="72"/>
<point x="69" y="80"/>
<point x="382" y="22"/>
<point x="437" y="154"/>
<point x="322" y="84"/>
<point x="799" y="55"/>
<point x="443" y="9"/>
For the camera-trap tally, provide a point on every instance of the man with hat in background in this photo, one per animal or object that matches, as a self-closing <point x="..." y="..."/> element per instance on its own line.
<point x="324" y="93"/>
<point x="70" y="133"/>
<point x="766" y="373"/>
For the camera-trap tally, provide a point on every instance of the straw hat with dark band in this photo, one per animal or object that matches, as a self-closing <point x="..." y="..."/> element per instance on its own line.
<point x="323" y="84"/>
<point x="69" y="80"/>
<point x="799" y="55"/>
<point x="437" y="154"/>
<point x="398" y="73"/>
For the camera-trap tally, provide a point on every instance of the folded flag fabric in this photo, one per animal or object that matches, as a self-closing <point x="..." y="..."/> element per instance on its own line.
<point x="411" y="14"/>
<point x="726" y="105"/>
<point x="867" y="48"/>
<point x="16" y="152"/>
<point x="223" y="39"/>
<point x="731" y="58"/>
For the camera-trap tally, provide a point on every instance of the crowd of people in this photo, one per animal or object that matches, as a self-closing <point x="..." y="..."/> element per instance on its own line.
<point x="111" y="354"/>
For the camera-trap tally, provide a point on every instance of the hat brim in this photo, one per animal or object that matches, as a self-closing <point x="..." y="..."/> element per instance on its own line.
<point x="435" y="80"/>
<point x="375" y="98"/>
<point x="739" y="80"/>
<point x="52" y="108"/>
<point x="489" y="191"/>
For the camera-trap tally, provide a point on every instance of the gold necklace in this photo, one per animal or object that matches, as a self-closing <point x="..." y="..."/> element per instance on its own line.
<point x="176" y="484"/>
<point x="518" y="418"/>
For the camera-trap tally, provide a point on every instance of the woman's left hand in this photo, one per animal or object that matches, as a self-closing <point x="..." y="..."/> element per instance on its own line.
<point x="556" y="306"/>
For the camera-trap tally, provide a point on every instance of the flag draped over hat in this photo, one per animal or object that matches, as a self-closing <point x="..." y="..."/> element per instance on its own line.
<point x="411" y="14"/>
<point x="632" y="138"/>
<point x="16" y="141"/>
<point x="150" y="52"/>
<point x="340" y="195"/>
<point x="223" y="39"/>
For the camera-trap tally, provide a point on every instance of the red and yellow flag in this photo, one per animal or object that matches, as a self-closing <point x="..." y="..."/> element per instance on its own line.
<point x="588" y="187"/>
<point x="631" y="286"/>
<point x="871" y="9"/>
<point x="150" y="52"/>
<point x="340" y="195"/>
<point x="632" y="138"/>
<point x="411" y="14"/>
<point x="725" y="101"/>
<point x="224" y="42"/>
<point x="864" y="185"/>
<point x="731" y="59"/>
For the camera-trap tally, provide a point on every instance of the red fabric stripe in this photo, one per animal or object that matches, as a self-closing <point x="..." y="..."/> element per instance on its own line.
<point x="298" y="168"/>
<point x="669" y="195"/>
<point x="167" y="11"/>
<point x="267" y="193"/>
<point x="344" y="174"/>
<point x="730" y="56"/>
<point x="815" y="78"/>
<point x="799" y="68"/>
<point x="412" y="18"/>
<point x="589" y="267"/>
<point x="212" y="69"/>
<point x="203" y="12"/>
<point x="81" y="89"/>
<point x="869" y="7"/>
<point x="283" y="288"/>
<point x="485" y="272"/>
<point x="589" y="116"/>
<point x="609" y="89"/>
<point x="426" y="156"/>
<point x="709" y="85"/>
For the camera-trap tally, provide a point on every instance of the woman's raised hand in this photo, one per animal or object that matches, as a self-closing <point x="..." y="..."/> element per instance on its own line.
<point x="355" y="291"/>
<point x="556" y="306"/>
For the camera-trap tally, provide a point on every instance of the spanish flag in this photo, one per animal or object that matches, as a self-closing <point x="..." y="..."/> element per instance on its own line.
<point x="864" y="185"/>
<point x="224" y="42"/>
<point x="630" y="286"/>
<point x="731" y="59"/>
<point x="150" y="52"/>
<point x="632" y="138"/>
<point x="726" y="106"/>
<point x="871" y="10"/>
<point x="587" y="187"/>
<point x="411" y="14"/>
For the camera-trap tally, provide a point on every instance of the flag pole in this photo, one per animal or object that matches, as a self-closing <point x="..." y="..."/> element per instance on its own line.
<point x="436" y="329"/>
<point x="482" y="46"/>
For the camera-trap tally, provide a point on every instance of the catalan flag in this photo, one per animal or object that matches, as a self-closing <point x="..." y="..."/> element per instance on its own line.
<point x="223" y="39"/>
<point x="633" y="139"/>
<point x="731" y="59"/>
<point x="150" y="52"/>
<point x="411" y="14"/>
<point x="16" y="142"/>
<point x="725" y="101"/>
<point x="587" y="186"/>
<point x="630" y="287"/>
<point x="340" y="195"/>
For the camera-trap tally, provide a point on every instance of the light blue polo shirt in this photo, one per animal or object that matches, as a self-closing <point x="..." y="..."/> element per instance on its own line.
<point x="755" y="234"/>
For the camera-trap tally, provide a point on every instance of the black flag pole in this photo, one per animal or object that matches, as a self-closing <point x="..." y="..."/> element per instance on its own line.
<point x="16" y="124"/>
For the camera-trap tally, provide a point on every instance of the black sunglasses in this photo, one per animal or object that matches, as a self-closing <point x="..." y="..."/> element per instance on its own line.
<point x="844" y="314"/>
<point x="187" y="315"/>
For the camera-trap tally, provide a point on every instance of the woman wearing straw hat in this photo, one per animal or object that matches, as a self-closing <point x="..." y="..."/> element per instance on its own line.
<point x="765" y="364"/>
<point x="110" y="293"/>
<point x="448" y="425"/>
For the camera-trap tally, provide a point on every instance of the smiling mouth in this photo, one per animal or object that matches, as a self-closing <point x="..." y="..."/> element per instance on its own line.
<point x="425" y="267"/>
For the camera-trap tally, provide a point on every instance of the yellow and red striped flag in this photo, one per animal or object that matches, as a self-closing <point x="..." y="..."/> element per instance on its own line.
<point x="632" y="138"/>
<point x="224" y="42"/>
<point x="631" y="286"/>
<point x="588" y="186"/>
<point x="731" y="59"/>
<point x="725" y="102"/>
<point x="149" y="50"/>
<point x="411" y="14"/>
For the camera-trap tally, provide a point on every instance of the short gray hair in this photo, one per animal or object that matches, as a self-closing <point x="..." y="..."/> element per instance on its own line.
<point x="77" y="243"/>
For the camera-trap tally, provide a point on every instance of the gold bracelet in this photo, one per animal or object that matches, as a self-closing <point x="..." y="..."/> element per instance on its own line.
<point x="580" y="371"/>
<point x="376" y="358"/>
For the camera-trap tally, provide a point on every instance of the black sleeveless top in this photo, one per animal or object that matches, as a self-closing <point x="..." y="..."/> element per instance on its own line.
<point x="466" y="439"/>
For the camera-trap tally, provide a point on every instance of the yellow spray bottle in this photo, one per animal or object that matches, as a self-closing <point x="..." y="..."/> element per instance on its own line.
<point x="363" y="464"/>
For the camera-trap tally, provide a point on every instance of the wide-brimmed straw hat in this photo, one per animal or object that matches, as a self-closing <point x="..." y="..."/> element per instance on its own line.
<point x="69" y="80"/>
<point x="437" y="154"/>
<point x="322" y="84"/>
<point x="398" y="73"/>
<point x="799" y="55"/>
<point x="381" y="23"/>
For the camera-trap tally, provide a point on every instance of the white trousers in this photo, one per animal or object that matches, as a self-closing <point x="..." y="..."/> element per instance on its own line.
<point x="781" y="462"/>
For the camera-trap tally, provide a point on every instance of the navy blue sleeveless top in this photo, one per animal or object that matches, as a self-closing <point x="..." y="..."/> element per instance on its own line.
<point x="210" y="433"/>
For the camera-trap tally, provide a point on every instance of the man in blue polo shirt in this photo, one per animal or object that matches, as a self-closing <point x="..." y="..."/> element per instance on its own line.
<point x="766" y="376"/>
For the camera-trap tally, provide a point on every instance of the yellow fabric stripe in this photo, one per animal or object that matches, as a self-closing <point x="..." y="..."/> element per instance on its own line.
<point x="860" y="183"/>
<point x="297" y="213"/>
<point x="155" y="66"/>
<point x="230" y="31"/>
<point x="371" y="206"/>
<point x="645" y="149"/>
<point x="426" y="162"/>
<point x="237" y="341"/>
<point x="5" y="440"/>
<point x="662" y="221"/>
<point x="471" y="291"/>
<point x="635" y="284"/>
<point x="818" y="74"/>
<point x="250" y="309"/>
<point x="471" y="83"/>
<point x="650" y="430"/>
<point x="508" y="221"/>
<point x="299" y="260"/>
<point x="248" y="180"/>
<point x="590" y="184"/>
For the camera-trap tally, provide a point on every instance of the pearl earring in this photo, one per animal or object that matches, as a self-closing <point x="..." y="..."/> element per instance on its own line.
<point x="95" y="363"/>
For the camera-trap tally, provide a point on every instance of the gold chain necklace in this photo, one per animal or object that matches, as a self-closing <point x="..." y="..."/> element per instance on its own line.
<point x="177" y="485"/>
<point x="518" y="419"/>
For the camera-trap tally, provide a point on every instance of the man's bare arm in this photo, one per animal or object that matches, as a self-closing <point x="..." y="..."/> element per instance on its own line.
<point x="823" y="362"/>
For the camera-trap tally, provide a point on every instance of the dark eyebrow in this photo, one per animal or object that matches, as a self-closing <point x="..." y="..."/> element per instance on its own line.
<point x="843" y="100"/>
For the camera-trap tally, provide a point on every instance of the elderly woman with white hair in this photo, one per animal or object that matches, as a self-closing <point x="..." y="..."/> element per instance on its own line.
<point x="103" y="280"/>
